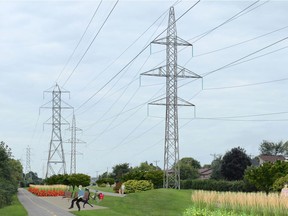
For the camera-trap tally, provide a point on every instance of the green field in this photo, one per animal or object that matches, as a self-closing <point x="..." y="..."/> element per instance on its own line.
<point x="166" y="202"/>
<point x="16" y="209"/>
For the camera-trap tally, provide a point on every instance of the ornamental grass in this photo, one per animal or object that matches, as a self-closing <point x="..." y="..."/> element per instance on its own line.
<point x="249" y="203"/>
<point x="48" y="190"/>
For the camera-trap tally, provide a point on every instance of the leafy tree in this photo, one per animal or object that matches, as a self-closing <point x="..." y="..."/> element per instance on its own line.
<point x="156" y="177"/>
<point x="56" y="179"/>
<point x="234" y="163"/>
<point x="134" y="174"/>
<point x="216" y="168"/>
<point x="105" y="181"/>
<point x="79" y="179"/>
<point x="32" y="178"/>
<point x="120" y="170"/>
<point x="5" y="155"/>
<point x="145" y="172"/>
<point x="272" y="148"/>
<point x="9" y="175"/>
<point x="188" y="168"/>
<point x="146" y="167"/>
<point x="279" y="183"/>
<point x="191" y="162"/>
<point x="264" y="176"/>
<point x="73" y="179"/>
<point x="16" y="169"/>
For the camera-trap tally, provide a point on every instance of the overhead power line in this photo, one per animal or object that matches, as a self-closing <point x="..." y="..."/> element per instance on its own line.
<point x="72" y="54"/>
<point x="90" y="43"/>
<point x="132" y="60"/>
<point x="238" y="60"/>
<point x="240" y="43"/>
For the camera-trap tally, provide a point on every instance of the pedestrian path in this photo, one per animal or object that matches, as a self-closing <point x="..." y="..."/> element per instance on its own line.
<point x="36" y="206"/>
<point x="108" y="193"/>
<point x="49" y="206"/>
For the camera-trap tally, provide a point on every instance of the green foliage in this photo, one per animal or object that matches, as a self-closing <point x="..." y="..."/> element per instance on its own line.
<point x="10" y="175"/>
<point x="134" y="174"/>
<point x="58" y="179"/>
<point x="133" y="186"/>
<point x="145" y="167"/>
<point x="15" y="209"/>
<point x="279" y="183"/>
<point x="79" y="179"/>
<point x="272" y="148"/>
<point x="73" y="179"/>
<point x="264" y="176"/>
<point x="160" y="202"/>
<point x="216" y="168"/>
<point x="119" y="170"/>
<point x="234" y="164"/>
<point x="188" y="168"/>
<point x="196" y="211"/>
<point x="156" y="177"/>
<point x="7" y="190"/>
<point x="216" y="185"/>
<point x="32" y="178"/>
<point x="147" y="172"/>
<point x="105" y="181"/>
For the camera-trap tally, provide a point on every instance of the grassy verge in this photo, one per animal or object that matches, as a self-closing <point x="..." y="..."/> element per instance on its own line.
<point x="16" y="209"/>
<point x="166" y="202"/>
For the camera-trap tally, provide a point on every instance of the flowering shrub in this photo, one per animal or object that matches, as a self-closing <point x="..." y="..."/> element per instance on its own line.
<point x="51" y="190"/>
<point x="132" y="186"/>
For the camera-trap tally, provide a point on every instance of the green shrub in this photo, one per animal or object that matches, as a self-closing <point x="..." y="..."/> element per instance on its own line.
<point x="279" y="183"/>
<point x="7" y="190"/>
<point x="217" y="185"/>
<point x="102" y="181"/>
<point x="133" y="186"/>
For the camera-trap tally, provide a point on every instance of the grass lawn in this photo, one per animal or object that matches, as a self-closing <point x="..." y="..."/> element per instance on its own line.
<point x="104" y="189"/>
<point x="166" y="202"/>
<point x="16" y="209"/>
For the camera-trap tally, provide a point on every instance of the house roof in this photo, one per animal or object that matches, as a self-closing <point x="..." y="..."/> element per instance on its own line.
<point x="271" y="158"/>
<point x="205" y="171"/>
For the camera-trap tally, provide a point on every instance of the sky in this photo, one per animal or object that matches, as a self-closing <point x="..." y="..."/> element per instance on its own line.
<point x="239" y="48"/>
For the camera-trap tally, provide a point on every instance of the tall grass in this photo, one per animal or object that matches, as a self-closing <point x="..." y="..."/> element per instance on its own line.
<point x="251" y="203"/>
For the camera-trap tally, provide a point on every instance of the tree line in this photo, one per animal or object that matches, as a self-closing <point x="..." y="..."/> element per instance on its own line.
<point x="10" y="175"/>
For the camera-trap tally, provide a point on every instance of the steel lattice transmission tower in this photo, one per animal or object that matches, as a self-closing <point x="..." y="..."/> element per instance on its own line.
<point x="28" y="166"/>
<point x="56" y="157"/>
<point x="73" y="140"/>
<point x="171" y="71"/>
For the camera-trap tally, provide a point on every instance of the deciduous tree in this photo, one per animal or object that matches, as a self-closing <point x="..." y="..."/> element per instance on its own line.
<point x="234" y="163"/>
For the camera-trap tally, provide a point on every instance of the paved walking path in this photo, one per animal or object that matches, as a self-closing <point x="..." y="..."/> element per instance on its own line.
<point x="48" y="206"/>
<point x="108" y="193"/>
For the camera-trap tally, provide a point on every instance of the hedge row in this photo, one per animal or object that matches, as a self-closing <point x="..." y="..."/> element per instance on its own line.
<point x="216" y="185"/>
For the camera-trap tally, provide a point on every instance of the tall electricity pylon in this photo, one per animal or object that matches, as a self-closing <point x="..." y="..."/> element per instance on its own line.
<point x="28" y="166"/>
<point x="171" y="71"/>
<point x="56" y="158"/>
<point x="73" y="140"/>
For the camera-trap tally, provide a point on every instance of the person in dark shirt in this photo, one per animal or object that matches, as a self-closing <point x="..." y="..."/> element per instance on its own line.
<point x="86" y="200"/>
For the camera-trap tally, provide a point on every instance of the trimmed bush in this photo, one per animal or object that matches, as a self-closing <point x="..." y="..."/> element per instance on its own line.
<point x="133" y="186"/>
<point x="215" y="185"/>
